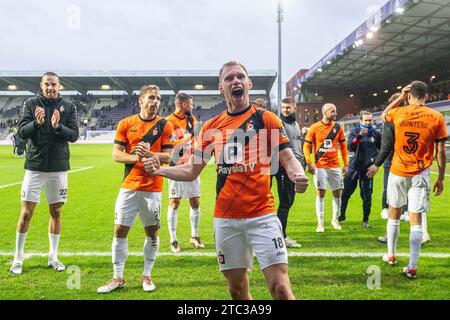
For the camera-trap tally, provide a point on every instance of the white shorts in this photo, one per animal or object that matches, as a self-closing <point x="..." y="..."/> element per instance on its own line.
<point x="55" y="186"/>
<point x="414" y="191"/>
<point x="184" y="189"/>
<point x="330" y="177"/>
<point x="236" y="239"/>
<point x="130" y="202"/>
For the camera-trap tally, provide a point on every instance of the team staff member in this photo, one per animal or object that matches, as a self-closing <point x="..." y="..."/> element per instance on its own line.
<point x="244" y="214"/>
<point x="286" y="188"/>
<point x="325" y="137"/>
<point x="364" y="143"/>
<point x="417" y="130"/>
<point x="50" y="121"/>
<point x="143" y="135"/>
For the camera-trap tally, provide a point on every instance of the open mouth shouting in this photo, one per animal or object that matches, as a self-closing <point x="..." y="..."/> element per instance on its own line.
<point x="237" y="92"/>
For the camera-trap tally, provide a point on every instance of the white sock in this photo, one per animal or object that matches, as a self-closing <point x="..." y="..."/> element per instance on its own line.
<point x="119" y="256"/>
<point x="424" y="223"/>
<point x="20" y="244"/>
<point x="320" y="206"/>
<point x="336" y="207"/>
<point x="54" y="242"/>
<point x="172" y="221"/>
<point x="195" y="221"/>
<point x="415" y="243"/>
<point x="393" y="231"/>
<point x="150" y="252"/>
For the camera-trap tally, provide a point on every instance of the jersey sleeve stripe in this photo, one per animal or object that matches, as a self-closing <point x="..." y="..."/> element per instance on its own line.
<point x="307" y="141"/>
<point x="120" y="142"/>
<point x="285" y="145"/>
<point x="441" y="140"/>
<point x="167" y="146"/>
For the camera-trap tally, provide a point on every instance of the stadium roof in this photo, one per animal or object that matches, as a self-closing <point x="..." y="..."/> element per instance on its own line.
<point x="83" y="81"/>
<point x="403" y="41"/>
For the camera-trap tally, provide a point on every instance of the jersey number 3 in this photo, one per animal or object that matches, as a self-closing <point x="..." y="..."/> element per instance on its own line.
<point x="412" y="142"/>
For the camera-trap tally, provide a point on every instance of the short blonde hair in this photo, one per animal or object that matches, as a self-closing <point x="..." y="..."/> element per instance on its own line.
<point x="146" y="88"/>
<point x="232" y="63"/>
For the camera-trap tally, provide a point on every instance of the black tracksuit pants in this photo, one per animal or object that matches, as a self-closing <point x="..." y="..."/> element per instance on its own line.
<point x="366" y="190"/>
<point x="286" y="194"/>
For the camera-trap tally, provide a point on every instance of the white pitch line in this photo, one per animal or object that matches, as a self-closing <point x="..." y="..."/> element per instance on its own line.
<point x="213" y="254"/>
<point x="447" y="175"/>
<point x="20" y="182"/>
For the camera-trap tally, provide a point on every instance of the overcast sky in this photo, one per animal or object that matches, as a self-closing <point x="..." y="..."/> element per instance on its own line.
<point x="172" y="34"/>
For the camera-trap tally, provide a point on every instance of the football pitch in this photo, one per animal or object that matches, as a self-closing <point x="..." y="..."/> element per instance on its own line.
<point x="342" y="264"/>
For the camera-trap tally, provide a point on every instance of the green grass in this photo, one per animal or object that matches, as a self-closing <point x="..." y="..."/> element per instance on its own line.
<point x="88" y="224"/>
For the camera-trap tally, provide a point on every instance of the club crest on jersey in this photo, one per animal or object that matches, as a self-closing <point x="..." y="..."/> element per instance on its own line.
<point x="172" y="191"/>
<point x="61" y="109"/>
<point x="250" y="126"/>
<point x="283" y="132"/>
<point x="155" y="131"/>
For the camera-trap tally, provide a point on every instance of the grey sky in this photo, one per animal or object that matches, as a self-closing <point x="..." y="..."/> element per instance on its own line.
<point x="172" y="34"/>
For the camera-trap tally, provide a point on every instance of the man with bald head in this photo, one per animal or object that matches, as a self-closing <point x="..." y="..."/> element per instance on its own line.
<point x="325" y="137"/>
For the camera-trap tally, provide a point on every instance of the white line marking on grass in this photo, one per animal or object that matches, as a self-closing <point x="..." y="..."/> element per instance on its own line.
<point x="20" y="182"/>
<point x="447" y="175"/>
<point x="213" y="254"/>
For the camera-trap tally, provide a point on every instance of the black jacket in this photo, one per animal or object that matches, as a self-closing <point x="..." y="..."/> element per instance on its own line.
<point x="49" y="150"/>
<point x="363" y="150"/>
<point x="387" y="145"/>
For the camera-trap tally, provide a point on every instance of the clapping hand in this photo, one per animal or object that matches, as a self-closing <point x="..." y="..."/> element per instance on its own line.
<point x="39" y="114"/>
<point x="143" y="149"/>
<point x="55" y="119"/>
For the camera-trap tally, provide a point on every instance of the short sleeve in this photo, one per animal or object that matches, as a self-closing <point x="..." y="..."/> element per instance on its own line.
<point x="205" y="147"/>
<point x="390" y="116"/>
<point x="341" y="135"/>
<point x="310" y="135"/>
<point x="441" y="130"/>
<point x="166" y="137"/>
<point x="121" y="134"/>
<point x="277" y="131"/>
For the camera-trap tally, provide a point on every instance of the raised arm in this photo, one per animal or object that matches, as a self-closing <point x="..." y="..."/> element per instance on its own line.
<point x="185" y="172"/>
<point x="396" y="103"/>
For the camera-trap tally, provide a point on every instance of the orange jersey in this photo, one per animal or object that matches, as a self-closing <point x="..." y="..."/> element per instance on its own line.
<point x="318" y="137"/>
<point x="417" y="128"/>
<point x="130" y="132"/>
<point x="242" y="144"/>
<point x="182" y="126"/>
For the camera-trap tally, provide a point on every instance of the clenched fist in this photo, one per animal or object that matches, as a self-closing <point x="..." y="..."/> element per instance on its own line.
<point x="301" y="183"/>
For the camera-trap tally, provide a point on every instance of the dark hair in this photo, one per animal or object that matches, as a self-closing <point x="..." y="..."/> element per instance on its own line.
<point x="288" y="100"/>
<point x="50" y="74"/>
<point x="419" y="89"/>
<point x="182" y="97"/>
<point x="260" y="102"/>
<point x="364" y="113"/>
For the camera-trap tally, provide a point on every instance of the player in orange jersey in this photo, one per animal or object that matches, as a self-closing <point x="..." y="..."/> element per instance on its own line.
<point x="140" y="136"/>
<point x="325" y="136"/>
<point x="242" y="139"/>
<point x="183" y="123"/>
<point x="417" y="130"/>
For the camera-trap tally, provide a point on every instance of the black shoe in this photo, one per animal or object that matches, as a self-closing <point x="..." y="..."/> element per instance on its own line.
<point x="342" y="218"/>
<point x="366" y="224"/>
